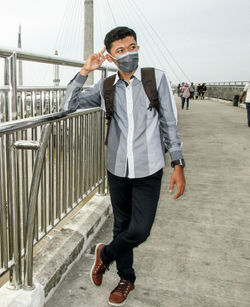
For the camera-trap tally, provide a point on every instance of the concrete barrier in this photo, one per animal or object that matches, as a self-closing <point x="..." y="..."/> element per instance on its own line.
<point x="59" y="253"/>
<point x="225" y="92"/>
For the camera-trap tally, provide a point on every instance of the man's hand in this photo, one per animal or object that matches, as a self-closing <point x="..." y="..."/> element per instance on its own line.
<point x="93" y="62"/>
<point x="242" y="96"/>
<point x="177" y="178"/>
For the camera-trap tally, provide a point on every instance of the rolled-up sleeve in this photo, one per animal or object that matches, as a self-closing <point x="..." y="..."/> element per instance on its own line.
<point x="168" y="119"/>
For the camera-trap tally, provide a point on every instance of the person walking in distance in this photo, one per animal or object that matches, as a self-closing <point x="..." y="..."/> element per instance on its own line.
<point x="139" y="133"/>
<point x="185" y="96"/>
<point x="246" y="91"/>
<point x="192" y="89"/>
<point x="203" y="90"/>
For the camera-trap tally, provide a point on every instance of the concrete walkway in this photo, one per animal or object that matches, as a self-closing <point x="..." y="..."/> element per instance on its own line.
<point x="198" y="253"/>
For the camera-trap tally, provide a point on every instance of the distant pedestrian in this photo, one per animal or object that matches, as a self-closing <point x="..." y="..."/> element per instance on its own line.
<point x="199" y="90"/>
<point x="185" y="95"/>
<point x="246" y="91"/>
<point x="203" y="90"/>
<point x="192" y="90"/>
<point x="181" y="90"/>
<point x="196" y="93"/>
<point x="178" y="89"/>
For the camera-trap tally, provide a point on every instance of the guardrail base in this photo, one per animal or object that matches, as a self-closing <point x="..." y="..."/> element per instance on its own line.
<point x="22" y="298"/>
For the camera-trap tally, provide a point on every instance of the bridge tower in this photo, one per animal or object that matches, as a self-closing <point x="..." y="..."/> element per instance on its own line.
<point x="56" y="79"/>
<point x="20" y="64"/>
<point x="89" y="33"/>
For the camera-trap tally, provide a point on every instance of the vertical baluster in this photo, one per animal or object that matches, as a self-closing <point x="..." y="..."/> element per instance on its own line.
<point x="81" y="174"/>
<point x="88" y="154"/>
<point x="92" y="150"/>
<point x="70" y="166"/>
<point x="13" y="209"/>
<point x="51" y="177"/>
<point x="58" y="172"/>
<point x="85" y="157"/>
<point x="3" y="215"/>
<point x="65" y="185"/>
<point x="76" y="170"/>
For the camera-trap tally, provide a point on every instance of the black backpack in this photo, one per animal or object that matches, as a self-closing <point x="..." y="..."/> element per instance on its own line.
<point x="149" y="85"/>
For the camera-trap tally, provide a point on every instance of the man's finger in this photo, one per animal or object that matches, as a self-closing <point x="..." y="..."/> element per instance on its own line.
<point x="180" y="191"/>
<point x="103" y="50"/>
<point x="171" y="186"/>
<point x="177" y="195"/>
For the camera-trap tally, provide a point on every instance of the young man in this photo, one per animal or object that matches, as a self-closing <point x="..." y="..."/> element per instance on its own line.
<point x="246" y="91"/>
<point x="137" y="141"/>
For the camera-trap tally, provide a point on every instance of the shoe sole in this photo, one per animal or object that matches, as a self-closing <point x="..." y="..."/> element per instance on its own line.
<point x="91" y="271"/>
<point x="117" y="304"/>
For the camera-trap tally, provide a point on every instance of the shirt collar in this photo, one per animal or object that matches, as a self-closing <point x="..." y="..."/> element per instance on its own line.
<point x="137" y="74"/>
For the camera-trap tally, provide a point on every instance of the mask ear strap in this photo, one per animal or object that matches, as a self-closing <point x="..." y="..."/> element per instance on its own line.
<point x="111" y="55"/>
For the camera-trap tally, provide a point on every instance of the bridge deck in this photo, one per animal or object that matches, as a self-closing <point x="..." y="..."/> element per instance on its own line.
<point x="199" y="251"/>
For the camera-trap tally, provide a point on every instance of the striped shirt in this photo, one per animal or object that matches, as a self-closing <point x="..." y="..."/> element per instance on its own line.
<point x="138" y="136"/>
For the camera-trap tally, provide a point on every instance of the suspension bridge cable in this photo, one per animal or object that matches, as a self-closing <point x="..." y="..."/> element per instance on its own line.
<point x="115" y="22"/>
<point x="62" y="23"/>
<point x="79" y="36"/>
<point x="128" y="17"/>
<point x="156" y="44"/>
<point x="98" y="28"/>
<point x="139" y="10"/>
<point x="149" y="46"/>
<point x="64" y="29"/>
<point x="72" y="27"/>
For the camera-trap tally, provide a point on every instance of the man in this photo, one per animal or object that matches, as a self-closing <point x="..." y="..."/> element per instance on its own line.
<point x="203" y="90"/>
<point x="191" y="90"/>
<point x="137" y="141"/>
<point x="246" y="92"/>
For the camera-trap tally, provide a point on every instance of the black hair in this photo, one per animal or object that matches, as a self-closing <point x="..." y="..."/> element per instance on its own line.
<point x="116" y="34"/>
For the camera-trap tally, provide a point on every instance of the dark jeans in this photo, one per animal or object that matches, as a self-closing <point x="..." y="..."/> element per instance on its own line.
<point x="248" y="111"/>
<point x="183" y="102"/>
<point x="134" y="203"/>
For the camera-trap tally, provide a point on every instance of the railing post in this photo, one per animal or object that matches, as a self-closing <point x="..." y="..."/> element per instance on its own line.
<point x="6" y="71"/>
<point x="102" y="186"/>
<point x="14" y="212"/>
<point x="28" y="256"/>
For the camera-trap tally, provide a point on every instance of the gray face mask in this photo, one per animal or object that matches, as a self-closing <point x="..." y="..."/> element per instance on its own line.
<point x="128" y="61"/>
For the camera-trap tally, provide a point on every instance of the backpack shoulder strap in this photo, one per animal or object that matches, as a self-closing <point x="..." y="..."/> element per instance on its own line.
<point x="149" y="85"/>
<point x="109" y="94"/>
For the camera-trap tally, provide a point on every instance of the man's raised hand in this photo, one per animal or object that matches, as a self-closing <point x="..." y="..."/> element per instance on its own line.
<point x="93" y="62"/>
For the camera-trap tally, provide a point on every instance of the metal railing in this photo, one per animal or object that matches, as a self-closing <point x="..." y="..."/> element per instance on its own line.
<point x="48" y="164"/>
<point x="225" y="90"/>
<point x="29" y="101"/>
<point x="229" y="83"/>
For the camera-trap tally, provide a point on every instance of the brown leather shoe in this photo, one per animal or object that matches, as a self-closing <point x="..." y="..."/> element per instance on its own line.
<point x="119" y="294"/>
<point x="98" y="268"/>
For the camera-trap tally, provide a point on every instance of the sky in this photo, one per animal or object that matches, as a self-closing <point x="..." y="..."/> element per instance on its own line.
<point x="200" y="41"/>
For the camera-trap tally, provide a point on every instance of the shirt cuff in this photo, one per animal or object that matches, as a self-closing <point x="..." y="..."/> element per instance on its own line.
<point x="80" y="78"/>
<point x="176" y="155"/>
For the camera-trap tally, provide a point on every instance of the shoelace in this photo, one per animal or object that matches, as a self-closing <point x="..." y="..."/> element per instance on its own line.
<point x="122" y="287"/>
<point x="101" y="268"/>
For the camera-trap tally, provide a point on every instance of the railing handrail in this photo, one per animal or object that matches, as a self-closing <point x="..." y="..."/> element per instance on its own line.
<point x="36" y="87"/>
<point x="32" y="122"/>
<point x="227" y="83"/>
<point x="41" y="58"/>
